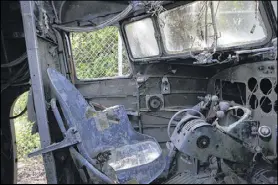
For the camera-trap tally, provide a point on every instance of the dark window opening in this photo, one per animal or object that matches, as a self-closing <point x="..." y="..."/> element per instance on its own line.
<point x="265" y="104"/>
<point x="253" y="101"/>
<point x="266" y="86"/>
<point x="252" y="85"/>
<point x="234" y="92"/>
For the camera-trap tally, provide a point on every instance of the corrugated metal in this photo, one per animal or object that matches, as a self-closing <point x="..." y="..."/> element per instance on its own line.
<point x="188" y="178"/>
<point x="184" y="178"/>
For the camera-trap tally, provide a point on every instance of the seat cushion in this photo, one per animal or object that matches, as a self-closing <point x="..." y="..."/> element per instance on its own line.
<point x="134" y="155"/>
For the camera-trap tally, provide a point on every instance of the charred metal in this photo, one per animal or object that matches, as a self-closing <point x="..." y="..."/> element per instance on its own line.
<point x="200" y="104"/>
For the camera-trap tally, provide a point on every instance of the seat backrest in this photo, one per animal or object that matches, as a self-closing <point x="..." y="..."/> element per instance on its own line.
<point x="99" y="131"/>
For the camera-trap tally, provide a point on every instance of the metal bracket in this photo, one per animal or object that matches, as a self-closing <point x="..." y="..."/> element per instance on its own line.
<point x="165" y="86"/>
<point x="72" y="137"/>
<point x="29" y="25"/>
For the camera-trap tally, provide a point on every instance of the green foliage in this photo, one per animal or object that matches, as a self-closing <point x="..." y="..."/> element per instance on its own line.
<point x="95" y="55"/>
<point x="26" y="142"/>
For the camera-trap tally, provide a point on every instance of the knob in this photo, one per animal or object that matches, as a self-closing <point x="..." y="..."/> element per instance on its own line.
<point x="264" y="132"/>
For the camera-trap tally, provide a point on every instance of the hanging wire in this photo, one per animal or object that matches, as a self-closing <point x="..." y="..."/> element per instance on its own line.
<point x="15" y="77"/>
<point x="15" y="62"/>
<point x="20" y="114"/>
<point x="154" y="7"/>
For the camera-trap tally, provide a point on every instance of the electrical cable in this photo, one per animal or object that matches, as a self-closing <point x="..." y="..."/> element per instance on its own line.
<point x="54" y="9"/>
<point x="109" y="22"/>
<point x="246" y="114"/>
<point x="15" y="62"/>
<point x="20" y="114"/>
<point x="15" y="77"/>
<point x="90" y="21"/>
<point x="21" y="84"/>
<point x="23" y="78"/>
<point x="60" y="11"/>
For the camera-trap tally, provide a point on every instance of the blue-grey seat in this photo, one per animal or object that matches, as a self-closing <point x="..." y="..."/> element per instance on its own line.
<point x="134" y="156"/>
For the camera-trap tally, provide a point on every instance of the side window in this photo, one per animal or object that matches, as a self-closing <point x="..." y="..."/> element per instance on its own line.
<point x="99" y="54"/>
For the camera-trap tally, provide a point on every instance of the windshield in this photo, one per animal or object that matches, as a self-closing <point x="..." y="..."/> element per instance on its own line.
<point x="137" y="34"/>
<point x="194" y="27"/>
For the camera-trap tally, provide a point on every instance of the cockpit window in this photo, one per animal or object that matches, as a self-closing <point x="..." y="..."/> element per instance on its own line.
<point x="191" y="27"/>
<point x="198" y="26"/>
<point x="141" y="38"/>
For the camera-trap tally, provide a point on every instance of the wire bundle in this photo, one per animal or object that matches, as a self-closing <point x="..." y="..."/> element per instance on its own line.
<point x="18" y="78"/>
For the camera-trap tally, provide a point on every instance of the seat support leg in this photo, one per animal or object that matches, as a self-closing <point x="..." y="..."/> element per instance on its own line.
<point x="72" y="137"/>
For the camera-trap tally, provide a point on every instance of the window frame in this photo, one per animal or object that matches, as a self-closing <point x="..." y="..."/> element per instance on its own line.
<point x="164" y="55"/>
<point x="157" y="37"/>
<point x="85" y="81"/>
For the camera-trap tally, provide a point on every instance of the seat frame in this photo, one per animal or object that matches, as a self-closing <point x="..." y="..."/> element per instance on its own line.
<point x="102" y="131"/>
